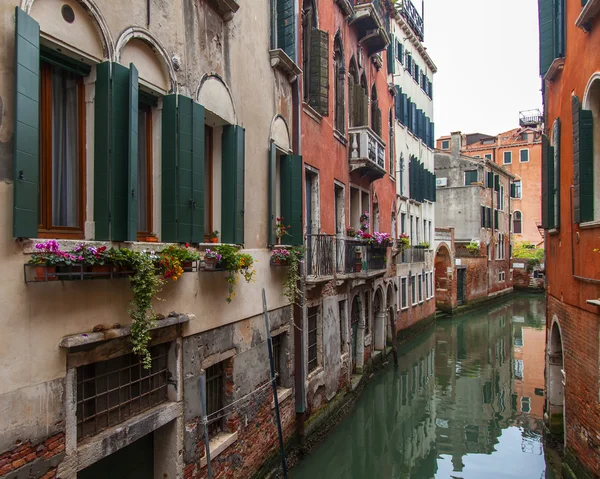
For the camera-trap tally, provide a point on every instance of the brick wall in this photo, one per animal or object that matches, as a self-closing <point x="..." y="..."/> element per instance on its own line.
<point x="38" y="459"/>
<point x="524" y="279"/>
<point x="579" y="331"/>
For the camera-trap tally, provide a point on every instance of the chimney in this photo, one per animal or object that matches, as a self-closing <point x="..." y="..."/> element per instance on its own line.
<point x="456" y="143"/>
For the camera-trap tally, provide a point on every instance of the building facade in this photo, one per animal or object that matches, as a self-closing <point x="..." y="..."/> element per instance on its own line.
<point x="481" y="223"/>
<point x="519" y="151"/>
<point x="138" y="125"/>
<point x="569" y="64"/>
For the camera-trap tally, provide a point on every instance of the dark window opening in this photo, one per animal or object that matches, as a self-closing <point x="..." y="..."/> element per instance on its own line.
<point x="215" y="388"/>
<point x="312" y="338"/>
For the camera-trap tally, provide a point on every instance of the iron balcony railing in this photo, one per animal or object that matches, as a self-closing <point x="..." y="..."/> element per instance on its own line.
<point x="328" y="254"/>
<point x="412" y="16"/>
<point x="366" y="145"/>
<point x="413" y="255"/>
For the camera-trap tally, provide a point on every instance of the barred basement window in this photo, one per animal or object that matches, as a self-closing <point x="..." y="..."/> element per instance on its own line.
<point x="215" y="386"/>
<point x="109" y="392"/>
<point x="312" y="338"/>
<point x="276" y="341"/>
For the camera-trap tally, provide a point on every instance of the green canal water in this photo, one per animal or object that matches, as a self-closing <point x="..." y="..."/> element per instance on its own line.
<point x="465" y="402"/>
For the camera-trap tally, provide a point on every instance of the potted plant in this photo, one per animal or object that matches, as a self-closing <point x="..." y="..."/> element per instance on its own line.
<point x="49" y="258"/>
<point x="213" y="237"/>
<point x="423" y="245"/>
<point x="351" y="232"/>
<point x="403" y="241"/>
<point x="280" y="257"/>
<point x="178" y="254"/>
<point x="473" y="247"/>
<point x="295" y="258"/>
<point x="357" y="260"/>
<point x="211" y="259"/>
<point x="281" y="229"/>
<point x="381" y="238"/>
<point x="235" y="263"/>
<point x="95" y="259"/>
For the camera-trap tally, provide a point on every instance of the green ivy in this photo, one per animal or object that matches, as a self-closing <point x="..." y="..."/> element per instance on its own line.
<point x="290" y="285"/>
<point x="235" y="263"/>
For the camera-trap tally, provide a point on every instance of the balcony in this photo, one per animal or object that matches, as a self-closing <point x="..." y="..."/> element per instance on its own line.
<point x="412" y="17"/>
<point x="367" y="153"/>
<point x="530" y="118"/>
<point x="369" y="18"/>
<point x="329" y="257"/>
<point x="412" y="254"/>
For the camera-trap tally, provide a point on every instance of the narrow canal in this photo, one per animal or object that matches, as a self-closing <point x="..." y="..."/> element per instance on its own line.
<point x="465" y="402"/>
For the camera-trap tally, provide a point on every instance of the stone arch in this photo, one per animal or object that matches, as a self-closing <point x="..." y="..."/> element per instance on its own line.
<point x="217" y="99"/>
<point x="280" y="133"/>
<point x="46" y="11"/>
<point x="147" y="38"/>
<point x="555" y="405"/>
<point x="390" y="309"/>
<point x="379" y="315"/>
<point x="445" y="286"/>
<point x="353" y="71"/>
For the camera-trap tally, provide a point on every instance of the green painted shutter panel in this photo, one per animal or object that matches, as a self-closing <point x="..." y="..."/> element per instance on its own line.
<point x="496" y="216"/>
<point x="490" y="179"/>
<point x="197" y="173"/>
<point x="483" y="216"/>
<point x="432" y="134"/>
<point x="119" y="194"/>
<point x="170" y="180"/>
<point x="545" y="183"/>
<point x="404" y="117"/>
<point x="398" y="103"/>
<point x="559" y="29"/>
<point x="27" y="126"/>
<point x="319" y="71"/>
<point x="232" y="190"/>
<point x="133" y="154"/>
<point x="489" y="216"/>
<point x="583" y="163"/>
<point x="512" y="190"/>
<point x="551" y="173"/>
<point x="185" y="162"/>
<point x="391" y="57"/>
<point x="286" y="27"/>
<point x="556" y="184"/>
<point x="291" y="197"/>
<point x="546" y="32"/>
<point x="272" y="165"/>
<point x="102" y="138"/>
<point x="496" y="182"/>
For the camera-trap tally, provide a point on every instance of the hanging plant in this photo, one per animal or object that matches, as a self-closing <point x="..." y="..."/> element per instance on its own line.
<point x="290" y="285"/>
<point x="235" y="264"/>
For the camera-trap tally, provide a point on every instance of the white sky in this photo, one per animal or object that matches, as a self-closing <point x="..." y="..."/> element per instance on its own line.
<point x="487" y="58"/>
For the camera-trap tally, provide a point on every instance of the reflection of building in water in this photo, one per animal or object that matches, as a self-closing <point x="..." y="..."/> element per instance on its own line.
<point x="474" y="386"/>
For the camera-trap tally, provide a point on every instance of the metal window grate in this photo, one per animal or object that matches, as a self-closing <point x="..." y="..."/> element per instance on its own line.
<point x="276" y="341"/>
<point x="215" y="382"/>
<point x="109" y="392"/>
<point x="312" y="338"/>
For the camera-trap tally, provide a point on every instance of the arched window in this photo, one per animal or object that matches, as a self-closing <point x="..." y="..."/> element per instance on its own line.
<point x="309" y="22"/>
<point x="375" y="112"/>
<point x="518" y="223"/>
<point x="592" y="103"/>
<point x="340" y="94"/>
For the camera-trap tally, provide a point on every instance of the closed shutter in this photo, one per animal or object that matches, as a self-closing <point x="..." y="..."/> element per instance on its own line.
<point x="483" y="216"/>
<point x="496" y="221"/>
<point x="405" y="103"/>
<point x="182" y="170"/>
<point x="291" y="196"/>
<point x="232" y="190"/>
<point x="496" y="182"/>
<point x="27" y="126"/>
<point x="434" y="187"/>
<point x="546" y="183"/>
<point x="272" y="162"/>
<point x="286" y="27"/>
<point x="488" y="211"/>
<point x="546" y="32"/>
<point x="583" y="163"/>
<point x="102" y="137"/>
<point x="418" y="125"/>
<point x="391" y="57"/>
<point x="556" y="160"/>
<point x="398" y="103"/>
<point x="512" y="190"/>
<point x="401" y="53"/>
<point x="319" y="71"/>
<point x="432" y="135"/>
<point x="132" y="176"/>
<point x="490" y="179"/>
<point x="559" y="29"/>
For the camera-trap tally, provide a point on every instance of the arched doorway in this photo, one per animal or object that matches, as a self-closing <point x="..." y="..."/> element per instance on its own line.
<point x="391" y="312"/>
<point x="378" y="320"/>
<point x="444" y="286"/>
<point x="354" y="324"/>
<point x="556" y="382"/>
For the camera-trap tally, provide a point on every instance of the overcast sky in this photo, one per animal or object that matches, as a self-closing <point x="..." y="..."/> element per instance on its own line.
<point x="487" y="58"/>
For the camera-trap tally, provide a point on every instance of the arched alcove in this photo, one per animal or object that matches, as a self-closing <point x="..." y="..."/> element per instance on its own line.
<point x="555" y="380"/>
<point x="280" y="134"/>
<point x="379" y="315"/>
<point x="216" y="97"/>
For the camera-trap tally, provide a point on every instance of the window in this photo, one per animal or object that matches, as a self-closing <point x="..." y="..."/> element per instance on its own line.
<point x="401" y="175"/>
<point x="445" y="144"/>
<point x="507" y="157"/>
<point x="427" y="294"/>
<point x="501" y="276"/>
<point x="470" y="177"/>
<point x="312" y="338"/>
<point x="392" y="143"/>
<point x="283" y="28"/>
<point x="525" y="404"/>
<point x="62" y="152"/>
<point x="431" y="273"/>
<point x="517" y="189"/>
<point x="501" y="247"/>
<point x="375" y="112"/>
<point x="413" y="289"/>
<point x="412" y="229"/>
<point x="518" y="223"/>
<point x="342" y="314"/>
<point x="315" y="61"/>
<point x="501" y="198"/>
<point x="524" y="156"/>
<point x="109" y="392"/>
<point x="488" y="156"/>
<point x="403" y="223"/>
<point x="340" y="77"/>
<point x="420" y="287"/>
<point x="144" y="177"/>
<point x="367" y="312"/>
<point x="276" y="342"/>
<point x="418" y="229"/>
<point x="339" y="209"/>
<point x="404" y="292"/>
<point x="215" y="389"/>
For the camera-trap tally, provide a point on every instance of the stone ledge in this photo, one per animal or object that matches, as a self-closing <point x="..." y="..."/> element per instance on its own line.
<point x="84" y="339"/>
<point x="282" y="395"/>
<point x="281" y="61"/>
<point x="218" y="444"/>
<point x="595" y="302"/>
<point x="588" y="12"/>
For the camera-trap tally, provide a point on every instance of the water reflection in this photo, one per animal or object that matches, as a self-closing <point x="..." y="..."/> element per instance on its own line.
<point x="465" y="402"/>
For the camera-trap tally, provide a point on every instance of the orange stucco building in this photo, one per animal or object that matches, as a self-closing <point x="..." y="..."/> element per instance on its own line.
<point x="569" y="66"/>
<point x="520" y="152"/>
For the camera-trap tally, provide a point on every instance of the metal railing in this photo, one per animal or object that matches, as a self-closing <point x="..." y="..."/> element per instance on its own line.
<point x="328" y="254"/>
<point x="413" y="255"/>
<point x="365" y="144"/>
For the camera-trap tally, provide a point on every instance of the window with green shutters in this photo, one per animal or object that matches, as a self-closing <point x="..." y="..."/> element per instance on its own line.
<point x="232" y="187"/>
<point x="556" y="160"/>
<point x="552" y="32"/>
<point x="583" y="162"/>
<point x="507" y="157"/>
<point x="318" y="86"/>
<point x="489" y="179"/>
<point x="470" y="177"/>
<point x="547" y="184"/>
<point x="391" y="55"/>
<point x="283" y="27"/>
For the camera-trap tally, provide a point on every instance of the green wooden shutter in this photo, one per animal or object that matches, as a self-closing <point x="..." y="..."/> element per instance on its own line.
<point x="272" y="165"/>
<point x="27" y="126"/>
<point x="170" y="178"/>
<point x="545" y="183"/>
<point x="398" y="103"/>
<point x="102" y="138"/>
<point x="559" y="29"/>
<point x="197" y="173"/>
<point x="291" y="197"/>
<point x="583" y="163"/>
<point x="483" y="216"/>
<point x="512" y="190"/>
<point x="319" y="71"/>
<point x="185" y="195"/>
<point x="286" y="27"/>
<point x="490" y="179"/>
<point x="496" y="182"/>
<point x="556" y="185"/>
<point x="404" y="118"/>
<point x="546" y="32"/>
<point x="232" y="190"/>
<point x="133" y="155"/>
<point x="391" y="57"/>
<point x="496" y="218"/>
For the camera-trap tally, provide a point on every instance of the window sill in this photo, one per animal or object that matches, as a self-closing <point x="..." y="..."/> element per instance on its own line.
<point x="311" y="112"/>
<point x="588" y="12"/>
<point x="282" y="395"/>
<point x="218" y="444"/>
<point x="553" y="231"/>
<point x="594" y="302"/>
<point x="340" y="137"/>
<point x="226" y="8"/>
<point x="281" y="61"/>
<point x="589" y="224"/>
<point x="557" y="65"/>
